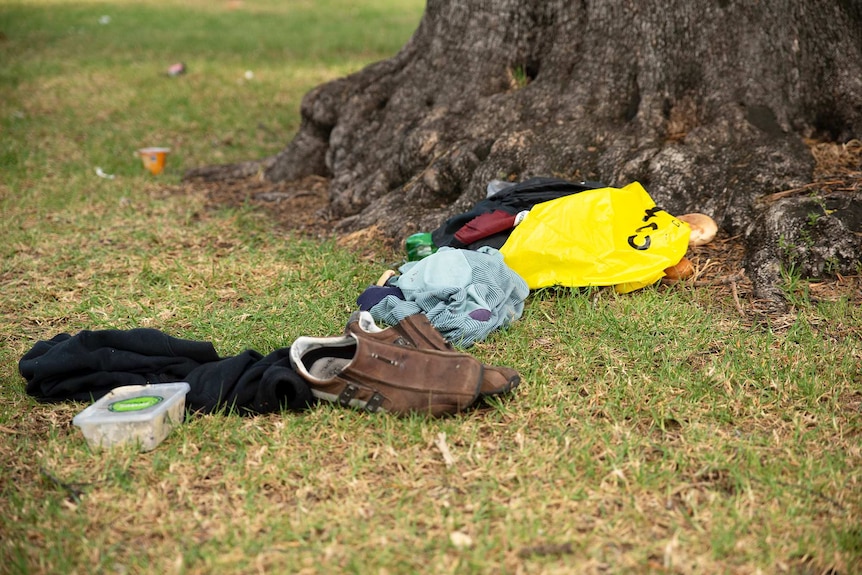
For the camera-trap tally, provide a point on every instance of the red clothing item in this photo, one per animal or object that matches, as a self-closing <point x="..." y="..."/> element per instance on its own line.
<point x="484" y="226"/>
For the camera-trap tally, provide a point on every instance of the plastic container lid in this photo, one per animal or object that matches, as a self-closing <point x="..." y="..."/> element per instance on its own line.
<point x="143" y="414"/>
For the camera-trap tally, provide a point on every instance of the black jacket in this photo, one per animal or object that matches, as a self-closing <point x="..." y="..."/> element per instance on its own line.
<point x="88" y="365"/>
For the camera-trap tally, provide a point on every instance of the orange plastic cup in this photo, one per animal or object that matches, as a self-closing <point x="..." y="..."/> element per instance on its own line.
<point x="154" y="159"/>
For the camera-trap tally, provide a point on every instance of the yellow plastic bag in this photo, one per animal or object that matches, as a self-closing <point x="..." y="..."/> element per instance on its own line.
<point x="602" y="237"/>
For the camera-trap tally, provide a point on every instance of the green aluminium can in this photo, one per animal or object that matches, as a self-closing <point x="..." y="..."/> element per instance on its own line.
<point x="419" y="246"/>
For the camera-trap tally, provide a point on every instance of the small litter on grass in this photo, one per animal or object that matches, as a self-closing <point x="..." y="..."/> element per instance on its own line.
<point x="177" y="69"/>
<point x="102" y="174"/>
<point x="104" y="20"/>
<point x="154" y="159"/>
<point x="460" y="540"/>
<point x="441" y="444"/>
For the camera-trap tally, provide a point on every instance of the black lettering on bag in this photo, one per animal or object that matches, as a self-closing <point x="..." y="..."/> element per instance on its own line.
<point x="650" y="213"/>
<point x="647" y="240"/>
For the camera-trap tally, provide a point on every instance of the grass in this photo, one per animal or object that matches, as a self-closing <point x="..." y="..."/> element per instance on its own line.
<point x="660" y="431"/>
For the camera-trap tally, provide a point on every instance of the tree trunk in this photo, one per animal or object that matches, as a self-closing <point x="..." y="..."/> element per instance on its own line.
<point x="708" y="104"/>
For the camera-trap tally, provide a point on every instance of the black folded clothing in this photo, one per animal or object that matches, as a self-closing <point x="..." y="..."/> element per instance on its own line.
<point x="88" y="365"/>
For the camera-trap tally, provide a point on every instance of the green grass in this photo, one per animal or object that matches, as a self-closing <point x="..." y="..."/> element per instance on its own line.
<point x="658" y="431"/>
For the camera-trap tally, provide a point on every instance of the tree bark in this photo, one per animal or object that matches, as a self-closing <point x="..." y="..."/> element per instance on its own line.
<point x="708" y="104"/>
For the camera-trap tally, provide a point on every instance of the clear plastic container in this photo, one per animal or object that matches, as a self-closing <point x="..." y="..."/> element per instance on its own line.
<point x="142" y="414"/>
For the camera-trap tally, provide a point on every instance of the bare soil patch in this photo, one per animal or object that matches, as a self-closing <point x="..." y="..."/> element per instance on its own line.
<point x="299" y="206"/>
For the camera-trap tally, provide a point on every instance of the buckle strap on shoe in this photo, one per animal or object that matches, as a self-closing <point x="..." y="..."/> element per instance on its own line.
<point x="349" y="392"/>
<point x="346" y="395"/>
<point x="374" y="403"/>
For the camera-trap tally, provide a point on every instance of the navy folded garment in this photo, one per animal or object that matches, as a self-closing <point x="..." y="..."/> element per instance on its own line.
<point x="88" y="365"/>
<point x="373" y="294"/>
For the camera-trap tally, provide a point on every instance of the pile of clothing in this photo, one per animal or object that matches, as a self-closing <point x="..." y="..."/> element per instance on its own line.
<point x="465" y="294"/>
<point x="403" y="369"/>
<point x="538" y="233"/>
<point x="484" y="262"/>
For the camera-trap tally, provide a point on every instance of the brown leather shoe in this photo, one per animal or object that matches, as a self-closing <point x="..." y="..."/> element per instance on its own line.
<point x="378" y="376"/>
<point x="417" y="331"/>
